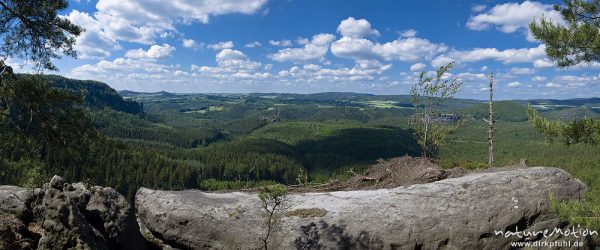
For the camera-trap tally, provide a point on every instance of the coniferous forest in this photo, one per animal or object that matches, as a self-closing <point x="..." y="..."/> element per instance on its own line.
<point x="214" y="142"/>
<point x="86" y="131"/>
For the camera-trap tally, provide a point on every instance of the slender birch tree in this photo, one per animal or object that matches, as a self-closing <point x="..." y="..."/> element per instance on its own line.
<point x="428" y="94"/>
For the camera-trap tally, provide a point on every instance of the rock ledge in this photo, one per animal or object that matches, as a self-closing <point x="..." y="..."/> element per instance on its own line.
<point x="457" y="213"/>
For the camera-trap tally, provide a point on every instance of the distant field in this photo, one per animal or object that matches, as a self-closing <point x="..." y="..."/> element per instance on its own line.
<point x="382" y="104"/>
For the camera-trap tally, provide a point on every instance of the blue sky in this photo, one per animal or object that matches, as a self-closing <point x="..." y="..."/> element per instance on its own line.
<point x="316" y="46"/>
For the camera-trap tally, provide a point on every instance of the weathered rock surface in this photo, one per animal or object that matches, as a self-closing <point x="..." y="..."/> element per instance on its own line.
<point x="66" y="216"/>
<point x="14" y="199"/>
<point x="458" y="213"/>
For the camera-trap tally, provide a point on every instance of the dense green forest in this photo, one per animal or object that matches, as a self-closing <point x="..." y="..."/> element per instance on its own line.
<point x="234" y="141"/>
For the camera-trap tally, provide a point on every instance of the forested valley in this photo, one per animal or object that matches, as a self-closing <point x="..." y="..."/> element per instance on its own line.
<point x="239" y="141"/>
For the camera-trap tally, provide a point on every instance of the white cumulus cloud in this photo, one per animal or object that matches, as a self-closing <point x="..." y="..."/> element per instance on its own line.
<point x="153" y="53"/>
<point x="143" y="21"/>
<point x="354" y="28"/>
<point x="521" y="71"/>
<point x="354" y="45"/>
<point x="543" y="63"/>
<point x="281" y="43"/>
<point x="417" y="67"/>
<point x="95" y="42"/>
<point x="507" y="56"/>
<point x="254" y="44"/>
<point x="221" y="45"/>
<point x="538" y="78"/>
<point x="188" y="43"/>
<point x="408" y="33"/>
<point x="514" y="84"/>
<point x="510" y="17"/>
<point x="316" y="49"/>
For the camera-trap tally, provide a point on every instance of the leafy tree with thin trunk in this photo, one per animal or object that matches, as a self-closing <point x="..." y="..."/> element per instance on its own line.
<point x="274" y="203"/>
<point x="428" y="94"/>
<point x="34" y="31"/>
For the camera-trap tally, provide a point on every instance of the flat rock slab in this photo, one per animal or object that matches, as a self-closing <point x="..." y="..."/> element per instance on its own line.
<point x="458" y="213"/>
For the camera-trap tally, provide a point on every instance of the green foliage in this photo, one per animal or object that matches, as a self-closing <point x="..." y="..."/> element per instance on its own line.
<point x="39" y="124"/>
<point x="469" y="165"/>
<point x="96" y="95"/>
<point x="129" y="126"/>
<point x="215" y="185"/>
<point x="45" y="131"/>
<point x="272" y="195"/>
<point x="35" y="176"/>
<point x="509" y="111"/>
<point x="274" y="203"/>
<point x="576" y="131"/>
<point x="427" y="95"/>
<point x="579" y="213"/>
<point x="579" y="40"/>
<point x="302" y="178"/>
<point x="328" y="150"/>
<point x="34" y="30"/>
<point x="180" y="150"/>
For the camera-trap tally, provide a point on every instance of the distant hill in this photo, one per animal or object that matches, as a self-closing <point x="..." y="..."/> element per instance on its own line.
<point x="570" y="102"/>
<point x="96" y="95"/>
<point x="503" y="111"/>
<point x="318" y="96"/>
<point x="567" y="109"/>
<point x="129" y="93"/>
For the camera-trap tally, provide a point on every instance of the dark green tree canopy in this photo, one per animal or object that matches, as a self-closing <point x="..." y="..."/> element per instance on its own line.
<point x="576" y="42"/>
<point x="33" y="30"/>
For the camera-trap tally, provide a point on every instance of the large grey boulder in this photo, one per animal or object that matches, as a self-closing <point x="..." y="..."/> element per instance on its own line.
<point x="458" y="213"/>
<point x="61" y="215"/>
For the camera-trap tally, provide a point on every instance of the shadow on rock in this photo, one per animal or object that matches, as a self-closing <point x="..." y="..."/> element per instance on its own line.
<point x="332" y="236"/>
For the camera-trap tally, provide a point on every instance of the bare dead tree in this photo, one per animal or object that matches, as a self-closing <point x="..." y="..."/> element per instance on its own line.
<point x="490" y="123"/>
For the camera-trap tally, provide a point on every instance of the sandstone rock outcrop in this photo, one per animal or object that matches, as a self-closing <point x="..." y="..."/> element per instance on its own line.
<point x="14" y="199"/>
<point x="63" y="216"/>
<point x="457" y="213"/>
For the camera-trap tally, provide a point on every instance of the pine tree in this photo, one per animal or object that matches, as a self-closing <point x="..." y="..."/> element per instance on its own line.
<point x="33" y="30"/>
<point x="574" y="43"/>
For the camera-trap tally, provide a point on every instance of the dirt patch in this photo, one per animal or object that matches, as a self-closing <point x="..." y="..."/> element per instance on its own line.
<point x="307" y="212"/>
<point x="397" y="172"/>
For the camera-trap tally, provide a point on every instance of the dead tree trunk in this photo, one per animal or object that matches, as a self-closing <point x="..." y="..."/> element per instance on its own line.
<point x="490" y="122"/>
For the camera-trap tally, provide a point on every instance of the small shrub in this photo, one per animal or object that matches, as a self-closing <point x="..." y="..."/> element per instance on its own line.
<point x="583" y="213"/>
<point x="469" y="165"/>
<point x="274" y="203"/>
